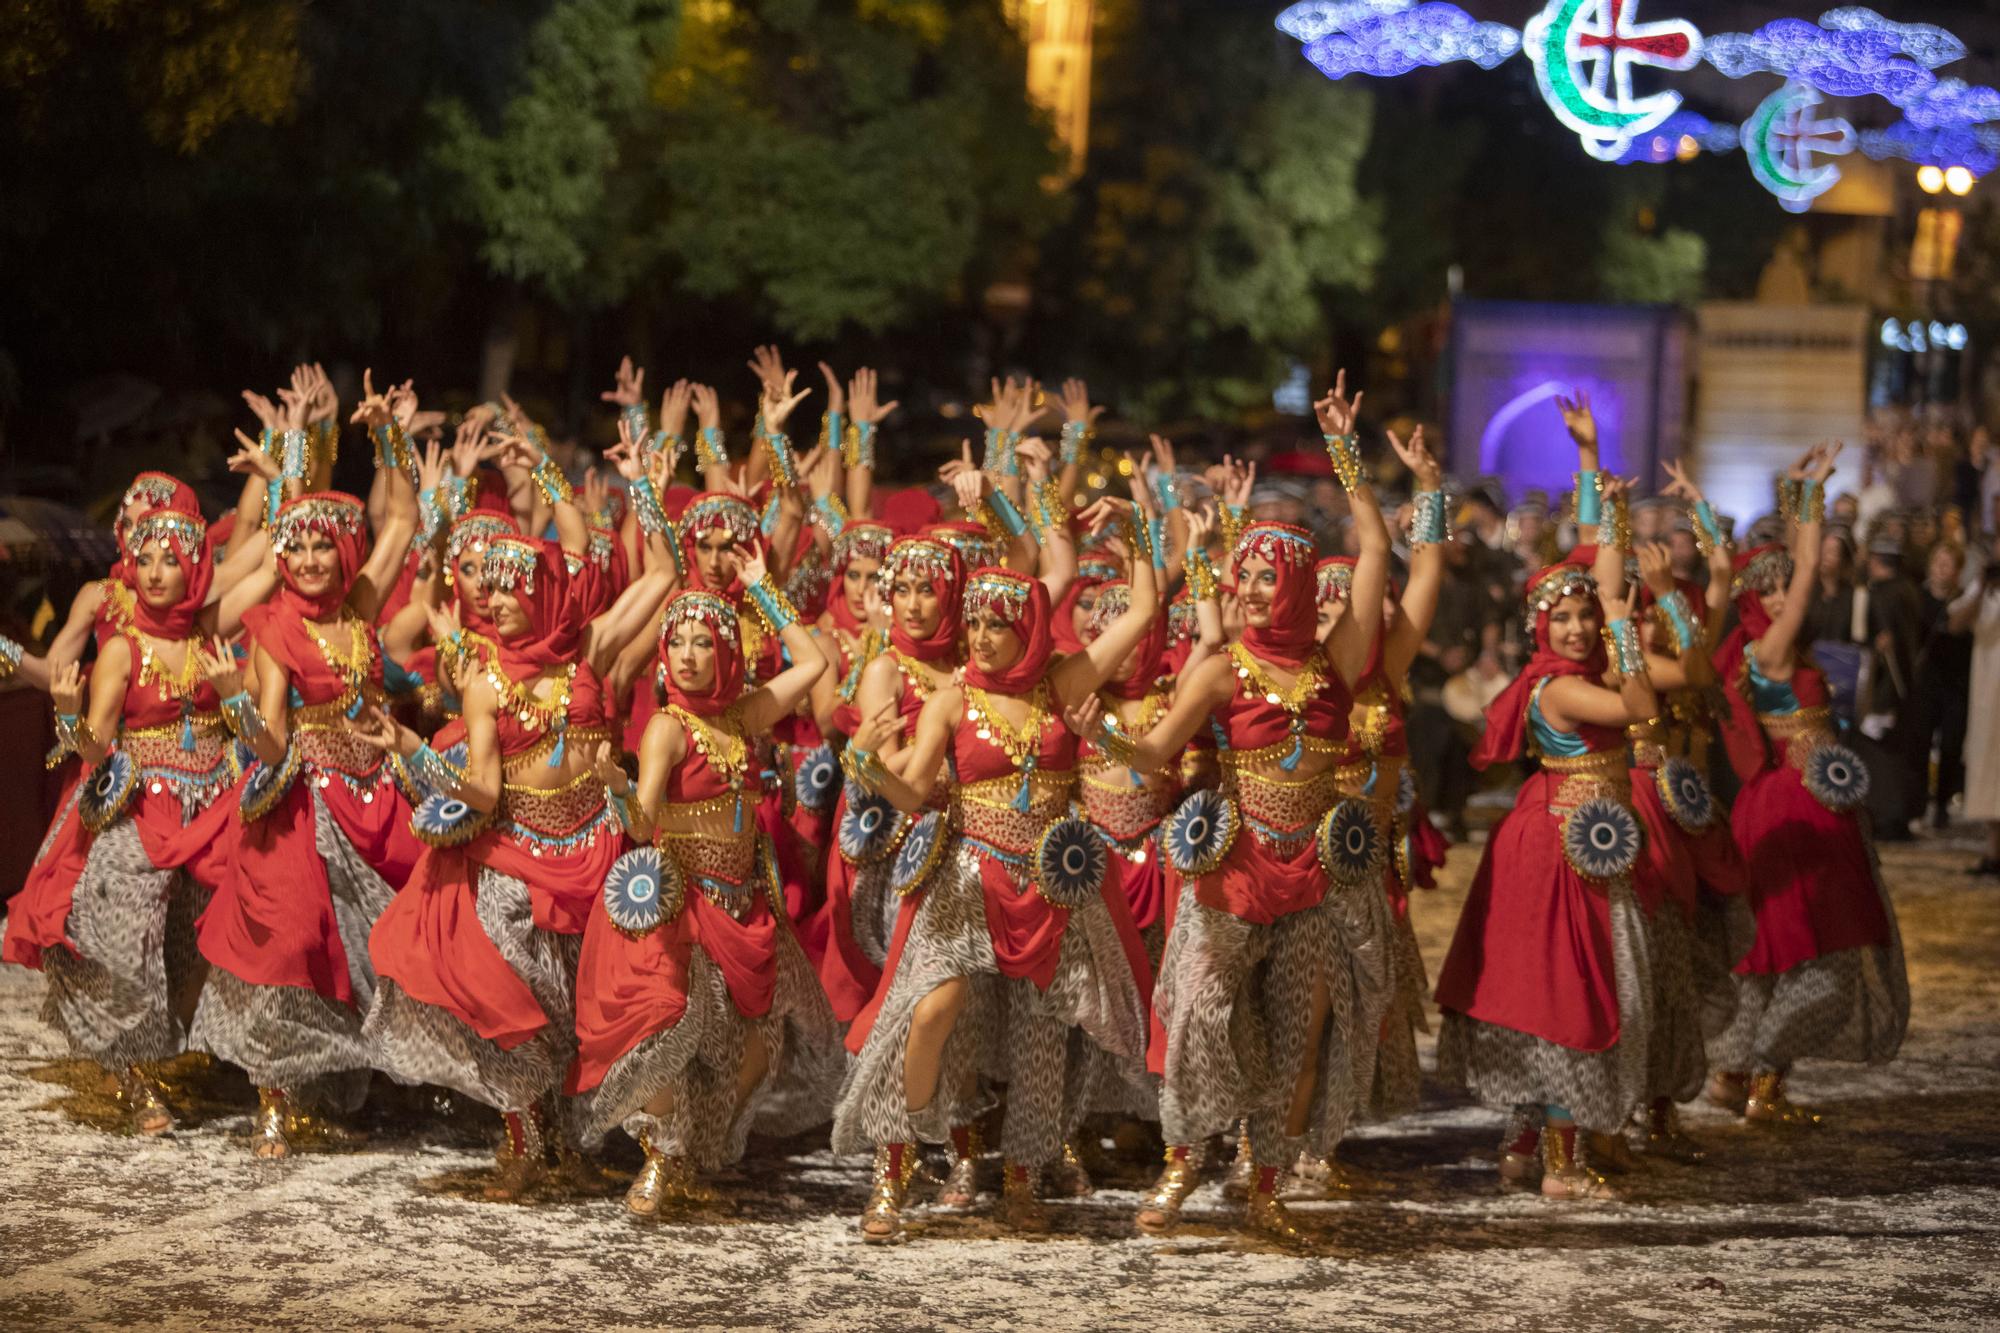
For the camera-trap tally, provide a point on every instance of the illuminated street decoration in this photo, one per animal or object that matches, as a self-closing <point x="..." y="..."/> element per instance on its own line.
<point x="1599" y="103"/>
<point x="1585" y="51"/>
<point x="1784" y="141"/>
<point x="1399" y="41"/>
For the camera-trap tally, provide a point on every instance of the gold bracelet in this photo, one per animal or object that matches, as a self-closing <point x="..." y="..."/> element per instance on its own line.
<point x="1346" y="460"/>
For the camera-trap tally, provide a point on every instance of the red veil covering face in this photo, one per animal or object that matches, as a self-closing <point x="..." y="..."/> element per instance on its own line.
<point x="1533" y="950"/>
<point x="1292" y="636"/>
<point x="628" y="988"/>
<point x="1022" y="603"/>
<point x="846" y="972"/>
<point x="859" y="540"/>
<point x="204" y="846"/>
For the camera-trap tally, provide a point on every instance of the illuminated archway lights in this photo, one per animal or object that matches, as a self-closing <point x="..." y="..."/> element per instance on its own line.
<point x="1587" y="52"/>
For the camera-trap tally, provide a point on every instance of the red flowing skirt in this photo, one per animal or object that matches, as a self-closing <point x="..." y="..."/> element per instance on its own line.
<point x="1811" y="875"/>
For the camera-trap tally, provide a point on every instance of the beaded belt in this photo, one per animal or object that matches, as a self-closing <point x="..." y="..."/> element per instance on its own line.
<point x="1800" y="733"/>
<point x="554" y="812"/>
<point x="1600" y="773"/>
<point x="157" y="754"/>
<point x="1003" y="826"/>
<point x="1284" y="812"/>
<point x="339" y="753"/>
<point x="721" y="867"/>
<point x="1126" y="815"/>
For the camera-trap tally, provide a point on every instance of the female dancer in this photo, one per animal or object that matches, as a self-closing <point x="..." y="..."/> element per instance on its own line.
<point x="684" y="1016"/>
<point x="477" y="955"/>
<point x="1547" y="988"/>
<point x="1379" y="772"/>
<point x="926" y="585"/>
<point x="1687" y="839"/>
<point x="108" y="910"/>
<point x="984" y="941"/>
<point x="1269" y="981"/>
<point x="325" y="840"/>
<point x="1825" y="977"/>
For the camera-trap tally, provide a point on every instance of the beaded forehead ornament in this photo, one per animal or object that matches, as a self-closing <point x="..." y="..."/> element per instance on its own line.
<point x="726" y="512"/>
<point x="155" y="488"/>
<point x="702" y="608"/>
<point x="508" y="563"/>
<point x="1180" y="617"/>
<point x="1112" y="602"/>
<point x="997" y="592"/>
<point x="926" y="557"/>
<point x="325" y="514"/>
<point x="1767" y="571"/>
<point x="1275" y="543"/>
<point x="186" y="533"/>
<point x="1335" y="582"/>
<point x="974" y="548"/>
<point x="866" y="541"/>
<point x="1560" y="582"/>
<point x="475" y="530"/>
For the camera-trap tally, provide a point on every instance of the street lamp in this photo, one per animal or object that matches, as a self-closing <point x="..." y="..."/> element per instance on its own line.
<point x="1958" y="180"/>
<point x="1930" y="179"/>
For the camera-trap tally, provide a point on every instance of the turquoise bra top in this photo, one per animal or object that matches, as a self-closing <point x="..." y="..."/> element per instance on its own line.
<point x="1561" y="744"/>
<point x="1766" y="695"/>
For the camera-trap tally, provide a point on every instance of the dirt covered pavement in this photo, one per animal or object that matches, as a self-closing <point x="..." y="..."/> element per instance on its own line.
<point x="1887" y="1217"/>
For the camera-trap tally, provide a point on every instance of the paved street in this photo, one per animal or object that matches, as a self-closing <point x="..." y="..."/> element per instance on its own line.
<point x="1888" y="1217"/>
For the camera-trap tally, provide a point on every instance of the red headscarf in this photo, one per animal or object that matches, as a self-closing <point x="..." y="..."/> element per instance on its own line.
<point x="860" y="539"/>
<point x="1506" y="733"/>
<point x="150" y="491"/>
<point x="908" y="510"/>
<point x="1293" y="634"/>
<point x="940" y="563"/>
<point x="183" y="532"/>
<point x="537" y="577"/>
<point x="696" y="604"/>
<point x="279" y="625"/>
<point x="1114" y="599"/>
<point x="1023" y="603"/>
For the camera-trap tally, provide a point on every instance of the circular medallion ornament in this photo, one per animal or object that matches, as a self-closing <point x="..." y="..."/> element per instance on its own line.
<point x="1351" y="848"/>
<point x="868" y="830"/>
<point x="1601" y="839"/>
<point x="816" y="780"/>
<point x="107" y="791"/>
<point x="1070" y="862"/>
<point x="1684" y="792"/>
<point x="1837" y="778"/>
<point x="266" y="786"/>
<point x="918" y="856"/>
<point x="643" y="890"/>
<point x="447" y="821"/>
<point x="1200" y="832"/>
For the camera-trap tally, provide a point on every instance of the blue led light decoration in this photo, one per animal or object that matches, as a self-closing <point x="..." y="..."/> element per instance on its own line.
<point x="1585" y="53"/>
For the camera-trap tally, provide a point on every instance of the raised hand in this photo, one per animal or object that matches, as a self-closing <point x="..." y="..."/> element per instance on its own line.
<point x="1680" y="485"/>
<point x="218" y="666"/>
<point x="431" y="468"/>
<point x="674" y="404"/>
<point x="1085" y="716"/>
<point x="878" y="728"/>
<point x="707" y="409"/>
<point x="374" y="408"/>
<point x="769" y="368"/>
<point x="1238" y="481"/>
<point x="1105" y="512"/>
<point x="1074" y="402"/>
<point x="443" y="621"/>
<point x="836" y="396"/>
<point x="66" y="690"/>
<point x="1036" y="458"/>
<point x="779" y="400"/>
<point x="1417" y="459"/>
<point x="1820" y="464"/>
<point x="1337" y="412"/>
<point x="1579" y="420"/>
<point x="608" y="770"/>
<point x="263" y="409"/>
<point x="252" y="458"/>
<point x="628" y="385"/>
<point x="1618" y="607"/>
<point x="968" y="487"/>
<point x="864" y="400"/>
<point x="751" y="569"/>
<point x="403" y="405"/>
<point x="949" y="470"/>
<point x="469" y="448"/>
<point x="1656" y="567"/>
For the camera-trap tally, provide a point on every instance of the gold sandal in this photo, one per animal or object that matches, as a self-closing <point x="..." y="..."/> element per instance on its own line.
<point x="1020" y="1210"/>
<point x="520" y="1158"/>
<point x="882" y="1218"/>
<point x="1565" y="1174"/>
<point x="1265" y="1214"/>
<point x="1161" y="1212"/>
<point x="1768" y="1105"/>
<point x="147" y="1109"/>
